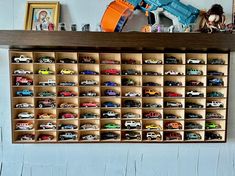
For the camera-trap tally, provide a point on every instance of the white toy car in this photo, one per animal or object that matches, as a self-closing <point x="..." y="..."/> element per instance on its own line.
<point x="195" y="61"/>
<point x="90" y="137"/>
<point x="110" y="114"/>
<point x="152" y="61"/>
<point x="172" y="72"/>
<point x="215" y="104"/>
<point x="22" y="58"/>
<point x="24" y="105"/>
<point x="48" y="125"/>
<point x="153" y="135"/>
<point x="194" y="93"/>
<point x="49" y="82"/>
<point x="24" y="126"/>
<point x="89" y="126"/>
<point x="25" y="115"/>
<point x="131" y="115"/>
<point x="22" y="72"/>
<point x="132" y="124"/>
<point x="89" y="82"/>
<point x="132" y="94"/>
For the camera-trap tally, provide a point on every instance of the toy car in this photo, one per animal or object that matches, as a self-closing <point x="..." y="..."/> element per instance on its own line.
<point x="212" y="125"/>
<point x="212" y="135"/>
<point x="194" y="93"/>
<point x="110" y="62"/>
<point x="132" y="124"/>
<point x="46" y="94"/>
<point x="128" y="82"/>
<point x="131" y="72"/>
<point x="129" y="61"/>
<point x="194" y="72"/>
<point x="173" y="83"/>
<point x="213" y="104"/>
<point x="111" y="126"/>
<point x="214" y="115"/>
<point x="89" y="104"/>
<point x="153" y="126"/>
<point x="46" y="103"/>
<point x="152" y="105"/>
<point x="24" y="105"/>
<point x="194" y="83"/>
<point x="46" y="59"/>
<point x="172" y="94"/>
<point x="68" y="105"/>
<point x="89" y="72"/>
<point x="22" y="58"/>
<point x="151" y="92"/>
<point x="151" y="73"/>
<point x="88" y="94"/>
<point x="173" y="125"/>
<point x="152" y="114"/>
<point x="214" y="73"/>
<point x="216" y="61"/>
<point x="88" y="82"/>
<point x="48" y="125"/>
<point x="68" y="115"/>
<point x="153" y="135"/>
<point x="86" y="59"/>
<point x="66" y="93"/>
<point x="192" y="125"/>
<point x="22" y="72"/>
<point x="67" y="126"/>
<point x="110" y="114"/>
<point x="172" y="72"/>
<point x="132" y="94"/>
<point x="90" y="137"/>
<point x="110" y="83"/>
<point x="67" y="83"/>
<point x="152" y="61"/>
<point x="46" y="116"/>
<point x="23" y="81"/>
<point x="26" y="137"/>
<point x="68" y="136"/>
<point x="109" y="136"/>
<point x="24" y="126"/>
<point x="25" y="115"/>
<point x="67" y="72"/>
<point x="215" y="82"/>
<point x="195" y="61"/>
<point x="88" y="116"/>
<point x="132" y="135"/>
<point x="88" y="126"/>
<point x="67" y="60"/>
<point x="192" y="116"/>
<point x="171" y="60"/>
<point x="110" y="92"/>
<point x="172" y="136"/>
<point x="173" y="104"/>
<point x="110" y="104"/>
<point x="193" y="105"/>
<point x="131" y="115"/>
<point x="131" y="103"/>
<point x="110" y="72"/>
<point x="151" y="84"/>
<point x="45" y="71"/>
<point x="24" y="92"/>
<point x="171" y="116"/>
<point x="45" y="137"/>
<point x="49" y="82"/>
<point x="215" y="94"/>
<point x="192" y="136"/>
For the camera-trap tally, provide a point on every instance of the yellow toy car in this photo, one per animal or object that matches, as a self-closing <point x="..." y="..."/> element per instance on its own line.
<point x="45" y="71"/>
<point x="153" y="126"/>
<point x="67" y="72"/>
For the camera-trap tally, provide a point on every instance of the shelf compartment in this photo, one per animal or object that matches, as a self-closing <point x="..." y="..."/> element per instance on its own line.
<point x="179" y="114"/>
<point x="64" y="55"/>
<point x="152" y="81"/>
<point x="175" y="67"/>
<point x="153" y="56"/>
<point x="152" y="136"/>
<point x="95" y="134"/>
<point x="193" y="70"/>
<point x="18" y="54"/>
<point x="89" y="56"/>
<point x="179" y="56"/>
<point x="224" y="57"/>
<point x="199" y="56"/>
<point x="116" y="57"/>
<point x="193" y="136"/>
<point x="133" y="56"/>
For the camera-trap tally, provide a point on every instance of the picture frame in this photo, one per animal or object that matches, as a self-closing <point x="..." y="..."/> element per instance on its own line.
<point x="42" y="16"/>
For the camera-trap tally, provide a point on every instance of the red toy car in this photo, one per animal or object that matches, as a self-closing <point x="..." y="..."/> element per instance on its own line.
<point x="66" y="93"/>
<point x="153" y="114"/>
<point x="45" y="137"/>
<point x="111" y="72"/>
<point x="22" y="81"/>
<point x="89" y="104"/>
<point x="172" y="94"/>
<point x="110" y="62"/>
<point x="68" y="115"/>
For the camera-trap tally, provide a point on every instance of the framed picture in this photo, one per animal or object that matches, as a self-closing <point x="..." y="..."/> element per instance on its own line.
<point x="42" y="16"/>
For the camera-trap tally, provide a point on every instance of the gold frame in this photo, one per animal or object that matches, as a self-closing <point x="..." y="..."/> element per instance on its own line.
<point x="44" y="5"/>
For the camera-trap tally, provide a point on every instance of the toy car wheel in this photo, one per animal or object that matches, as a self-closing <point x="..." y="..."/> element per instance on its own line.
<point x="149" y="138"/>
<point x="40" y="105"/>
<point x="17" y="83"/>
<point x="52" y="105"/>
<point x="62" y="138"/>
<point x="167" y="138"/>
<point x="138" y="126"/>
<point x="138" y="138"/>
<point x="17" y="60"/>
<point x="128" y="127"/>
<point x="28" y="83"/>
<point x="27" y="60"/>
<point x="41" y="61"/>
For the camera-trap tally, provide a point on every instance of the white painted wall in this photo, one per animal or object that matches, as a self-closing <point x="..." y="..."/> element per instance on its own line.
<point x="106" y="159"/>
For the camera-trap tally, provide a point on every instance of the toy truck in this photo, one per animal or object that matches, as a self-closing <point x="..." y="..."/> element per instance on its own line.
<point x="22" y="58"/>
<point x="49" y="82"/>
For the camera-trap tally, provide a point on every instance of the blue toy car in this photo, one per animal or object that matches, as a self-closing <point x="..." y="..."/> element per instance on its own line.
<point x="88" y="72"/>
<point x="24" y="92"/>
<point x="109" y="104"/>
<point x="110" y="83"/>
<point x="215" y="82"/>
<point x="110" y="92"/>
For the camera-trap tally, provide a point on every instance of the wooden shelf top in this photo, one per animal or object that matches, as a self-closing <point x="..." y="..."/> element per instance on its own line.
<point x="133" y="41"/>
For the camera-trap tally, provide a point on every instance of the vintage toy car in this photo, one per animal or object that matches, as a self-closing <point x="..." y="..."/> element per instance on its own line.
<point x="152" y="105"/>
<point x="131" y="103"/>
<point x="26" y="137"/>
<point x="110" y="104"/>
<point x="90" y="137"/>
<point x="110" y="72"/>
<point x="88" y="82"/>
<point x="212" y="104"/>
<point x="45" y="71"/>
<point x="110" y="62"/>
<point x="47" y="126"/>
<point x="171" y="116"/>
<point x="46" y="103"/>
<point x="66" y="71"/>
<point x="46" y="94"/>
<point x="131" y="72"/>
<point x="193" y="105"/>
<point x="89" y="104"/>
<point x="111" y="126"/>
<point x="214" y="115"/>
<point x="131" y="115"/>
<point x="192" y="136"/>
<point x="67" y="93"/>
<point x="173" y="83"/>
<point x="24" y="92"/>
<point x="214" y="73"/>
<point x="192" y="125"/>
<point x="45" y="137"/>
<point x="173" y="104"/>
<point x="129" y="61"/>
<point x="152" y="114"/>
<point x="212" y="125"/>
<point x="194" y="83"/>
<point x="132" y="94"/>
<point x="110" y="114"/>
<point x="25" y="115"/>
<point x="89" y="72"/>
<point x="192" y="71"/>
<point x="67" y="136"/>
<point x="153" y="126"/>
<point x="132" y="124"/>
<point x="212" y="135"/>
<point x="173" y="125"/>
<point x="110" y="83"/>
<point x="46" y="59"/>
<point x="152" y="61"/>
<point x="22" y="72"/>
<point x="68" y="115"/>
<point x="151" y="92"/>
<point x="153" y="135"/>
<point x="22" y="58"/>
<point x="172" y="136"/>
<point x="87" y="59"/>
<point x="110" y="92"/>
<point x="88" y="94"/>
<point x="23" y="81"/>
<point x="128" y="82"/>
<point x="172" y="94"/>
<point x="151" y="73"/>
<point x="24" y="126"/>
<point x="151" y="84"/>
<point x="132" y="135"/>
<point x="194" y="93"/>
<point x="216" y="61"/>
<point x="88" y="115"/>
<point x="88" y="126"/>
<point x="195" y="61"/>
<point x="46" y="116"/>
<point x="171" y="60"/>
<point x="215" y="82"/>
<point x="172" y="72"/>
<point x="192" y="116"/>
<point x="67" y="83"/>
<point x="49" y="82"/>
<point x="24" y="105"/>
<point x="109" y="136"/>
<point x="67" y="60"/>
<point x="67" y="126"/>
<point x="215" y="94"/>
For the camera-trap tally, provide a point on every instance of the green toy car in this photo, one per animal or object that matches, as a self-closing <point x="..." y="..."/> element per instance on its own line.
<point x="45" y="72"/>
<point x="212" y="125"/>
<point x="111" y="126"/>
<point x="46" y="94"/>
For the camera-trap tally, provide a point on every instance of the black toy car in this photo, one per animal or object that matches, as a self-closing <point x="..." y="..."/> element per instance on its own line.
<point x="212" y="135"/>
<point x="151" y="84"/>
<point x="131" y="72"/>
<point x="193" y="105"/>
<point x="171" y="116"/>
<point x="193" y="116"/>
<point x="46" y="59"/>
<point x="172" y="83"/>
<point x="216" y="62"/>
<point x="131" y="103"/>
<point x="133" y="135"/>
<point x="171" y="60"/>
<point x="152" y="105"/>
<point x="215" y="73"/>
<point x="151" y="73"/>
<point x="109" y="135"/>
<point x="192" y="125"/>
<point x="88" y="116"/>
<point x="128" y="82"/>
<point x="194" y="83"/>
<point x="67" y="60"/>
